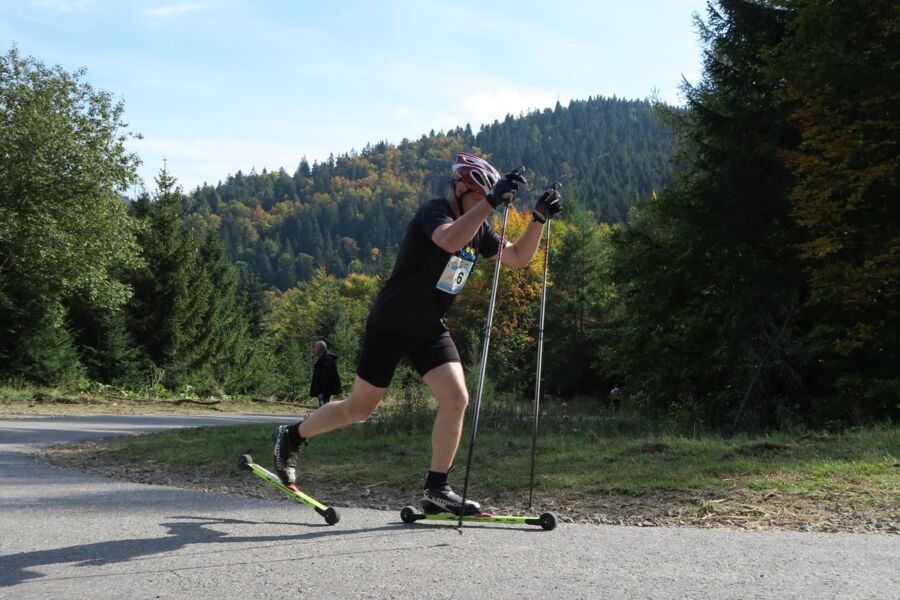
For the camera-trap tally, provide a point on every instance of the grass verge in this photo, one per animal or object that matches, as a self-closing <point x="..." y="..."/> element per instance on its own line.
<point x="597" y="468"/>
<point x="95" y="399"/>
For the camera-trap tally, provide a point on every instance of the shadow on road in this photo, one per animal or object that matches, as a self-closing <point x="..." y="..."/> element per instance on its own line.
<point x="185" y="531"/>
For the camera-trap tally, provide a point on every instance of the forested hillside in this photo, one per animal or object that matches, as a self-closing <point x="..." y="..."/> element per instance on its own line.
<point x="759" y="286"/>
<point x="348" y="214"/>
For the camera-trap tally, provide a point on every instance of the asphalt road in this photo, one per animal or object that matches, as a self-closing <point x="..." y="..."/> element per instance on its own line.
<point x="71" y="535"/>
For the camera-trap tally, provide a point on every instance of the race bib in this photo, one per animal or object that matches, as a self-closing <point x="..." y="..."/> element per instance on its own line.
<point x="455" y="274"/>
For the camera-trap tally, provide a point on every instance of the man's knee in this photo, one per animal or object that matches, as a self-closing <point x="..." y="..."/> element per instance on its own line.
<point x="362" y="401"/>
<point x="457" y="402"/>
<point x="448" y="384"/>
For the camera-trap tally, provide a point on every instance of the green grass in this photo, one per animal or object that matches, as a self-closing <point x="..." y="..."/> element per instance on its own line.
<point x="19" y="394"/>
<point x="82" y="398"/>
<point x="575" y="458"/>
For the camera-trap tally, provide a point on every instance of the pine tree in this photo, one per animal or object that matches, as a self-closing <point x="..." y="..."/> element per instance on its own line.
<point x="44" y="351"/>
<point x="224" y="332"/>
<point x="105" y="347"/>
<point x="252" y="299"/>
<point x="185" y="310"/>
<point x="576" y="302"/>
<point x="151" y="310"/>
<point x="709" y="287"/>
<point x="842" y="74"/>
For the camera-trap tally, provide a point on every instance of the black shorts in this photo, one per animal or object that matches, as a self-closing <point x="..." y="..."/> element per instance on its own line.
<point x="382" y="351"/>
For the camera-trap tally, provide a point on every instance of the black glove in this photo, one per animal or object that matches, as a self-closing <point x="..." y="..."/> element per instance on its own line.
<point x="548" y="205"/>
<point x="506" y="187"/>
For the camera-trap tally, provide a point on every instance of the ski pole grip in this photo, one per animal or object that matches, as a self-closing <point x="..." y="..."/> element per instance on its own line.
<point x="518" y="174"/>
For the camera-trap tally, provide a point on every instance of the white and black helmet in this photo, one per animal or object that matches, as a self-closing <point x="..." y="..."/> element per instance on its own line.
<point x="476" y="173"/>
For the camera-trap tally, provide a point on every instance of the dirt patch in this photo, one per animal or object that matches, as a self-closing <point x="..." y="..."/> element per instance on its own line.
<point x="763" y="449"/>
<point x="647" y="448"/>
<point x="740" y="508"/>
<point x="759" y="450"/>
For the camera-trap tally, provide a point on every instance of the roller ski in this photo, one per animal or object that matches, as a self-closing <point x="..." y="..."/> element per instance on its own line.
<point x="443" y="504"/>
<point x="432" y="512"/>
<point x="330" y="515"/>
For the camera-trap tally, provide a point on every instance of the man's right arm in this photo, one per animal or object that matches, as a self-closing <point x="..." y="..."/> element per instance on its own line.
<point x="453" y="236"/>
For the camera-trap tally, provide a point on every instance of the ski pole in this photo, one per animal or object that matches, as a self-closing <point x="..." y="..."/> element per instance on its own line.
<point x="540" y="357"/>
<point x="476" y="408"/>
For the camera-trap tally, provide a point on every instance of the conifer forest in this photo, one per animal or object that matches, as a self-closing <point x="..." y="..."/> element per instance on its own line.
<point x="732" y="262"/>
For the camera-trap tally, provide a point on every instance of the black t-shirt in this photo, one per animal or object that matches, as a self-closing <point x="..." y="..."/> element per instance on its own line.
<point x="426" y="278"/>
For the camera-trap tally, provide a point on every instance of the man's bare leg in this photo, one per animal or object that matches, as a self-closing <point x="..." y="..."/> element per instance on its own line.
<point x="449" y="387"/>
<point x="336" y="414"/>
<point x="448" y="384"/>
<point x="288" y="438"/>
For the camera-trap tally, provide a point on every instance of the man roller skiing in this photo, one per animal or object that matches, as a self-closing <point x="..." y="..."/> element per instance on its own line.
<point x="438" y="252"/>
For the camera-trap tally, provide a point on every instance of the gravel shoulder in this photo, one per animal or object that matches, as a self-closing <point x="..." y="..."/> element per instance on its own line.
<point x="739" y="509"/>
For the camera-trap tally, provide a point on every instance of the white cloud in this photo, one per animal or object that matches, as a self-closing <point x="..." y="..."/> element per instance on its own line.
<point x="215" y="149"/>
<point x="484" y="107"/>
<point x="193" y="160"/>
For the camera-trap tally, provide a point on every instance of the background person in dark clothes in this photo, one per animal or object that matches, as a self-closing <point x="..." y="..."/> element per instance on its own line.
<point x="325" y="380"/>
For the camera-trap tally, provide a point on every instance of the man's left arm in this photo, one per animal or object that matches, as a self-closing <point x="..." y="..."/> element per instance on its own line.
<point x="520" y="252"/>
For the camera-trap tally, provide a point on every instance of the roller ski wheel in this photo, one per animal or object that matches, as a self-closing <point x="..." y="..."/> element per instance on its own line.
<point x="331" y="516"/>
<point x="244" y="462"/>
<point x="548" y="521"/>
<point x="408" y="514"/>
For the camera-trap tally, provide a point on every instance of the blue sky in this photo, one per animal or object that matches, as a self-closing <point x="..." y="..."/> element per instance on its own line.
<point x="220" y="86"/>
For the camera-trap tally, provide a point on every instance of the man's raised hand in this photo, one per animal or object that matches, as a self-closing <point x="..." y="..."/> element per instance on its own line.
<point x="548" y="205"/>
<point x="507" y="187"/>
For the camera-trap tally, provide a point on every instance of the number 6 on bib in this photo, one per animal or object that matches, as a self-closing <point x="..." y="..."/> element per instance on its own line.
<point x="455" y="274"/>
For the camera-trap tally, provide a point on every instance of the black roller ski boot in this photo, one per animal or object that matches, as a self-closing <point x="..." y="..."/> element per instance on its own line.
<point x="444" y="499"/>
<point x="285" y="455"/>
